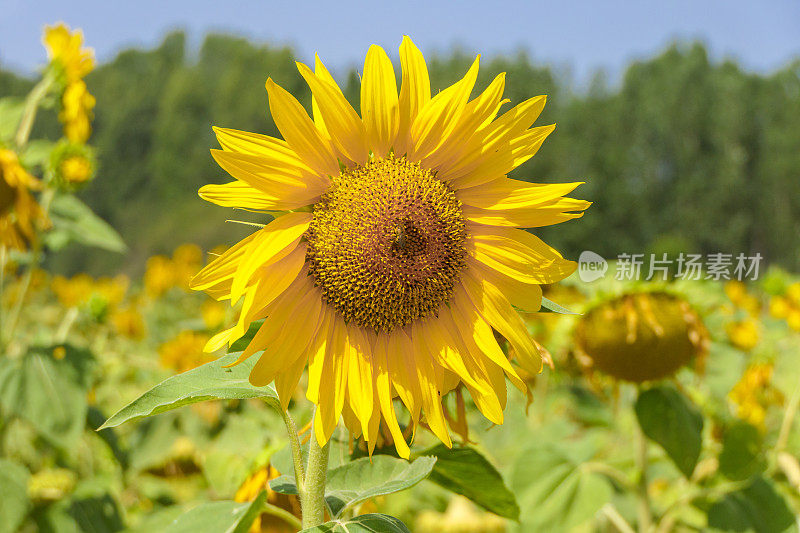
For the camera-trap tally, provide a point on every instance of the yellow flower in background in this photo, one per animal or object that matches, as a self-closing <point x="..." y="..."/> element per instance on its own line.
<point x="738" y="295"/>
<point x="400" y="253"/>
<point x="754" y="394"/>
<point x="744" y="334"/>
<point x="128" y="322"/>
<point x="779" y="307"/>
<point x="641" y="336"/>
<point x="187" y="260"/>
<point x="20" y="214"/>
<point x="74" y="291"/>
<point x="735" y="290"/>
<point x="213" y="313"/>
<point x="111" y="290"/>
<point x="76" y="112"/>
<point x="184" y="352"/>
<point x="252" y="487"/>
<point x="76" y="169"/>
<point x="65" y="47"/>
<point x="65" y="51"/>
<point x="793" y="293"/>
<point x="793" y="319"/>
<point x="159" y="275"/>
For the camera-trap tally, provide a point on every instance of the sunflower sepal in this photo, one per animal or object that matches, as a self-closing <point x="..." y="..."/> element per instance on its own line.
<point x="549" y="306"/>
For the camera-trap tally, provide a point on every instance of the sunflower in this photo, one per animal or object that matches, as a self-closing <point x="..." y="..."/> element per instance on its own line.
<point x="64" y="48"/>
<point x="19" y="212"/>
<point x="395" y="250"/>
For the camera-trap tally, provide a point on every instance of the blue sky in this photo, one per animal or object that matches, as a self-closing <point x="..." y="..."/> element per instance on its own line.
<point x="581" y="35"/>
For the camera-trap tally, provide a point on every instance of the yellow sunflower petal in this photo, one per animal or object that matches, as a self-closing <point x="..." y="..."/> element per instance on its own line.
<point x="265" y="248"/>
<point x="505" y="193"/>
<point x="478" y="335"/>
<point x="341" y="120"/>
<point x="546" y="214"/>
<point x="437" y="120"/>
<point x="316" y="354"/>
<point x="415" y="92"/>
<point x="494" y="307"/>
<point x="359" y="379"/>
<point x="491" y="139"/>
<point x="429" y="384"/>
<point x="291" y="343"/>
<point x="505" y="159"/>
<point x="300" y="132"/>
<point x="518" y="254"/>
<point x="242" y="196"/>
<point x="222" y="268"/>
<point x="401" y="364"/>
<point x="379" y="101"/>
<point x="526" y="296"/>
<point x="259" y="145"/>
<point x="333" y="388"/>
<point x="383" y="387"/>
<point x="477" y="112"/>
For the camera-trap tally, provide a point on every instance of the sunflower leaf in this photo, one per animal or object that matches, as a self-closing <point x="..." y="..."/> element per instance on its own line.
<point x="207" y="382"/>
<point x="669" y="419"/>
<point x="757" y="507"/>
<point x="245" y="339"/>
<point x="74" y="221"/>
<point x="47" y="391"/>
<point x="227" y="516"/>
<point x="366" y="523"/>
<point x="468" y="473"/>
<point x="14" y="504"/>
<point x="549" y="306"/>
<point x="359" y="480"/>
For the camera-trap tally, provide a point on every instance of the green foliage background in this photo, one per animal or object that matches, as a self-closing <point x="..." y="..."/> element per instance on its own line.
<point x="683" y="154"/>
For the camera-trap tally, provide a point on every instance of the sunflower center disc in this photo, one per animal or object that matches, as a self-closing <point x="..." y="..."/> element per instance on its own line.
<point x="386" y="243"/>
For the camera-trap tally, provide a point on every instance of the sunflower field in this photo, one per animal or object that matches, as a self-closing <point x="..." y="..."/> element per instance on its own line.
<point x="377" y="344"/>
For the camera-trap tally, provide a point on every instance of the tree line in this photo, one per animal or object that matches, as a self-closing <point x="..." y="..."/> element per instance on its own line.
<point x="682" y="154"/>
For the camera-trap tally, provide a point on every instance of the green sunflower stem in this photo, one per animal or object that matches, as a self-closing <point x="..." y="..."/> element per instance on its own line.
<point x="32" y="102"/>
<point x="645" y="513"/>
<point x="294" y="445"/>
<point x="312" y="495"/>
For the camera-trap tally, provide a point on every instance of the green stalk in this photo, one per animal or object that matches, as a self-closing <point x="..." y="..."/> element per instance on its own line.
<point x="645" y="512"/>
<point x="31" y="107"/>
<point x="312" y="495"/>
<point x="294" y="444"/>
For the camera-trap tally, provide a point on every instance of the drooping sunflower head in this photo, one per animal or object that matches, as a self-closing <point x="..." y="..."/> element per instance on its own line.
<point x="641" y="336"/>
<point x="395" y="255"/>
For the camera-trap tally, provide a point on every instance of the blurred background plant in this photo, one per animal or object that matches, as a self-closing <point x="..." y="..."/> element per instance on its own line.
<point x="669" y="406"/>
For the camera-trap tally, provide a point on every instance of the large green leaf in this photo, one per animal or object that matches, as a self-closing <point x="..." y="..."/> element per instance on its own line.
<point x="741" y="455"/>
<point x="47" y="392"/>
<point x="668" y="418"/>
<point x="207" y="382"/>
<point x="222" y="517"/>
<point x="555" y="491"/>
<point x="465" y="471"/>
<point x="74" y="221"/>
<point x="354" y="482"/>
<point x="758" y="507"/>
<point x="366" y="523"/>
<point x="14" y="502"/>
